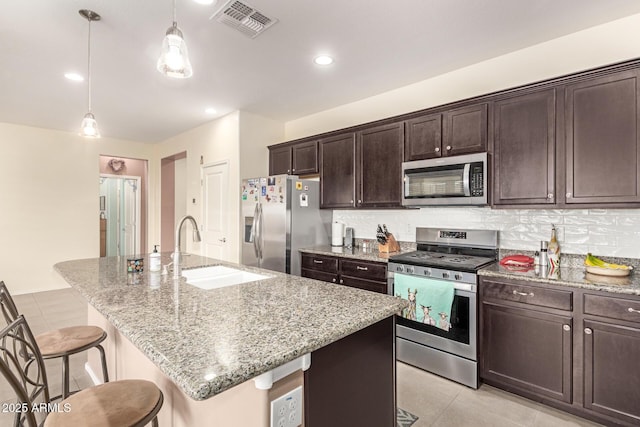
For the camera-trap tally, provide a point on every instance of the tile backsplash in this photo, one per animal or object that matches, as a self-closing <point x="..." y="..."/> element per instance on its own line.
<point x="607" y="232"/>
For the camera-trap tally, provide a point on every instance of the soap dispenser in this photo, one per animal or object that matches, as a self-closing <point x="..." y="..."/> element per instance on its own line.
<point x="155" y="264"/>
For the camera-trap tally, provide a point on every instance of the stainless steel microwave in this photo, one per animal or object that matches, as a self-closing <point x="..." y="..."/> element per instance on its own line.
<point x="456" y="180"/>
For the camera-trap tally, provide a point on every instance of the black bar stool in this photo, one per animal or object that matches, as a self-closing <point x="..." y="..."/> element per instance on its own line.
<point x="60" y="342"/>
<point x="114" y="404"/>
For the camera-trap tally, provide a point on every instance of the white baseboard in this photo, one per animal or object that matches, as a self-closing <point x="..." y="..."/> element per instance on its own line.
<point x="92" y="375"/>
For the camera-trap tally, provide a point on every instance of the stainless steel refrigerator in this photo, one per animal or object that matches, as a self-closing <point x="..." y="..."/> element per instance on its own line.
<point x="280" y="215"/>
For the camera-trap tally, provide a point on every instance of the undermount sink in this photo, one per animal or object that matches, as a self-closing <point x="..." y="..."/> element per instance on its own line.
<point x="219" y="276"/>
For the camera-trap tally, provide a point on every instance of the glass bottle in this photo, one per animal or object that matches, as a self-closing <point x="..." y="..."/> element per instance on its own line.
<point x="553" y="249"/>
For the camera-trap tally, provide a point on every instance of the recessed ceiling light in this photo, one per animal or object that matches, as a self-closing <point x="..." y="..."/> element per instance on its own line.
<point x="74" y="76"/>
<point x="205" y="1"/>
<point x="210" y="111"/>
<point x="323" y="60"/>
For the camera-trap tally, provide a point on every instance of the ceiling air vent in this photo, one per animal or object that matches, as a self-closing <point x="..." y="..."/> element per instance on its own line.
<point x="243" y="18"/>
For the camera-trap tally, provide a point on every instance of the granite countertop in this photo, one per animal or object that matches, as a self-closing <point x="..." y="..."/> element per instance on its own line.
<point x="208" y="341"/>
<point x="569" y="276"/>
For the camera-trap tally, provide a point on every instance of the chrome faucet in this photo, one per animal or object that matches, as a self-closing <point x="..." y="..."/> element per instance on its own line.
<point x="176" y="252"/>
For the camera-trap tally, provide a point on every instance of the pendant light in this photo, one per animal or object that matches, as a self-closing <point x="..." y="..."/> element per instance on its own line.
<point x="174" y="59"/>
<point x="89" y="126"/>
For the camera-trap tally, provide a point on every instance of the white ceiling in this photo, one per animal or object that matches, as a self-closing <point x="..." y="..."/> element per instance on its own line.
<point x="377" y="46"/>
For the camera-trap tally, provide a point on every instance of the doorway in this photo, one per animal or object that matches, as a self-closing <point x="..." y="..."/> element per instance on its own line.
<point x="215" y="215"/>
<point x="173" y="198"/>
<point x="120" y="208"/>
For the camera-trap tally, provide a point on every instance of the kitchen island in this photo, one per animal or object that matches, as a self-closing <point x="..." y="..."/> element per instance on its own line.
<point x="210" y="343"/>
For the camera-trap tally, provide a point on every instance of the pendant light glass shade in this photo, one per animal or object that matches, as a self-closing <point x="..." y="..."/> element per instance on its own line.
<point x="89" y="127"/>
<point x="174" y="59"/>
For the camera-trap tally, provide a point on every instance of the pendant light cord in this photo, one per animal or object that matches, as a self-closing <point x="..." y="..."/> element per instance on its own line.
<point x="175" y="20"/>
<point x="89" y="66"/>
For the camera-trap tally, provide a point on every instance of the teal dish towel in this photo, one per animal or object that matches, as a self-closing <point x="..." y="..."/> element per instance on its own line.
<point x="430" y="300"/>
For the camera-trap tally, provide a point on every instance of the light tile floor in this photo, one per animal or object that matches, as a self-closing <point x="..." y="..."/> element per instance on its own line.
<point x="436" y="401"/>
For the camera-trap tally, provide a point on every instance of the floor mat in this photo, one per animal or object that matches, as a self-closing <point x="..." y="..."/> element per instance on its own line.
<point x="405" y="418"/>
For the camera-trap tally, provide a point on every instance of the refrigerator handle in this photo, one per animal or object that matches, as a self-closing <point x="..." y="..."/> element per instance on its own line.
<point x="254" y="226"/>
<point x="260" y="231"/>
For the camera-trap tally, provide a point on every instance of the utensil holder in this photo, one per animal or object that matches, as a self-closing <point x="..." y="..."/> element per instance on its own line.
<point x="391" y="245"/>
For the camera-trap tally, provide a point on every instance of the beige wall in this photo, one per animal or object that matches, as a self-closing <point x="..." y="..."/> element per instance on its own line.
<point x="256" y="134"/>
<point x="604" y="44"/>
<point x="49" y="211"/>
<point x="215" y="141"/>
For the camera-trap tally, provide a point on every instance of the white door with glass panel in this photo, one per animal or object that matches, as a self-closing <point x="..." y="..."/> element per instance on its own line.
<point x="215" y="218"/>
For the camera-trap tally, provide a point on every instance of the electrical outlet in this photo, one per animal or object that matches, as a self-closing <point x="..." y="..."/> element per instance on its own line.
<point x="286" y="410"/>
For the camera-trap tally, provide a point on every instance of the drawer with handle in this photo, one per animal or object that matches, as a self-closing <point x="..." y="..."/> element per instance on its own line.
<point x="534" y="295"/>
<point x="320" y="275"/>
<point x="612" y="307"/>
<point x="319" y="262"/>
<point x="364" y="270"/>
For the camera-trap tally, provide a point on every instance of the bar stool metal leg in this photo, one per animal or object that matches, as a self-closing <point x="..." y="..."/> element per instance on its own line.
<point x="105" y="374"/>
<point x="65" y="377"/>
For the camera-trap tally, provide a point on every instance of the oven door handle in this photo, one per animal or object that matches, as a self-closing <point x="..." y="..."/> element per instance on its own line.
<point x="463" y="287"/>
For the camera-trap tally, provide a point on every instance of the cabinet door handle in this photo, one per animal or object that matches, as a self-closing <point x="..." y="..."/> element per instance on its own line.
<point x="293" y="170"/>
<point x="566" y="327"/>
<point x="288" y="170"/>
<point x="437" y="150"/>
<point x="361" y="268"/>
<point x="317" y="261"/>
<point x="550" y="196"/>
<point x="524" y="294"/>
<point x="632" y="310"/>
<point x="359" y="201"/>
<point x="223" y="240"/>
<point x="588" y="331"/>
<point x="341" y="282"/>
<point x="351" y="201"/>
<point x="568" y="195"/>
<point x="333" y="280"/>
<point x="448" y="147"/>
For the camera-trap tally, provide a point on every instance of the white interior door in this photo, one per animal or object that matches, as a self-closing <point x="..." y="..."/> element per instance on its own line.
<point x="215" y="233"/>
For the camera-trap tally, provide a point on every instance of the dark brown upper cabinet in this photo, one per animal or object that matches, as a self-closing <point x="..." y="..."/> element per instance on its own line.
<point x="295" y="159"/>
<point x="362" y="169"/>
<point x="602" y="141"/>
<point x="524" y="149"/>
<point x="280" y="160"/>
<point x="338" y="171"/>
<point x="458" y="131"/>
<point x="423" y="137"/>
<point x="380" y="154"/>
<point x="464" y="130"/>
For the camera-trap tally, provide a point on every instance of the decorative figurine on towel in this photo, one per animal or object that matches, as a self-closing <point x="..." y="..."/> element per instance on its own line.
<point x="411" y="311"/>
<point x="427" y="318"/>
<point x="443" y="323"/>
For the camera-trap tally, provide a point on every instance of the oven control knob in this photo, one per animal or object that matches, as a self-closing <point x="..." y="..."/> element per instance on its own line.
<point x="400" y="268"/>
<point x="445" y="275"/>
<point x="458" y="276"/>
<point x="427" y="272"/>
<point x="409" y="269"/>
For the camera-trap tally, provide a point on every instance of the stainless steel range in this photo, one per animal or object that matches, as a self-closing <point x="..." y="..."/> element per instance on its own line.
<point x="441" y="273"/>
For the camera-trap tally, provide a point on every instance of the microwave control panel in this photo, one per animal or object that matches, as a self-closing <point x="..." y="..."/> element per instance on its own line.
<point x="477" y="179"/>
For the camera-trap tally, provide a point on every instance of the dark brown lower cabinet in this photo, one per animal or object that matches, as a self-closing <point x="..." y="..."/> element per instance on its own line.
<point x="611" y="370"/>
<point x="352" y="382"/>
<point x="527" y="349"/>
<point x="529" y="346"/>
<point x="367" y="275"/>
